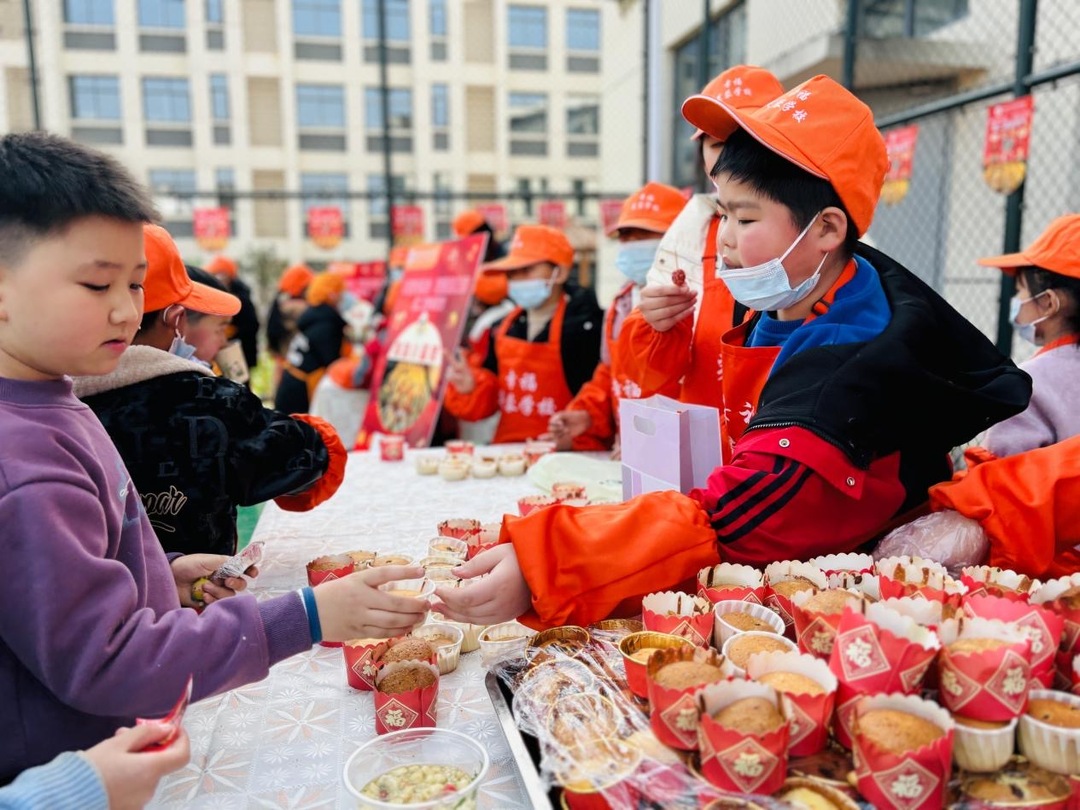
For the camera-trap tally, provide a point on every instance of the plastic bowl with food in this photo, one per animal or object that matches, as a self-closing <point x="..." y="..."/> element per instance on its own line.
<point x="417" y="768"/>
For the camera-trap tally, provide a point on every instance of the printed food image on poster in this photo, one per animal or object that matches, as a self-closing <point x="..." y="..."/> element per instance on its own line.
<point x="426" y="322"/>
<point x="900" y="145"/>
<point x="1008" y="137"/>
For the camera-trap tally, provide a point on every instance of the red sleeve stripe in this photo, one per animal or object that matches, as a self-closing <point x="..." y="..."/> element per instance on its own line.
<point x="763" y="504"/>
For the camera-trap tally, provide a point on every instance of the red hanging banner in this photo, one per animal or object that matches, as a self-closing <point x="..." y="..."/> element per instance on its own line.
<point x="407" y="224"/>
<point x="553" y="213"/>
<point x="495" y="216"/>
<point x="609" y="213"/>
<point x="1008" y="137"/>
<point x="900" y="144"/>
<point x="363" y="279"/>
<point x="326" y="226"/>
<point x="212" y="228"/>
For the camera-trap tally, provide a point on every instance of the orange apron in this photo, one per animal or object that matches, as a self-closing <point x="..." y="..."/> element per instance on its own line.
<point x="743" y="374"/>
<point x="532" y="384"/>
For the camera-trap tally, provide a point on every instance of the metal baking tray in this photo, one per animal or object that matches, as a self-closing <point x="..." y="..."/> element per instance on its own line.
<point x="523" y="747"/>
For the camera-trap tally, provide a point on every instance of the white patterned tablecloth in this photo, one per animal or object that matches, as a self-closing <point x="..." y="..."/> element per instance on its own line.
<point x="283" y="742"/>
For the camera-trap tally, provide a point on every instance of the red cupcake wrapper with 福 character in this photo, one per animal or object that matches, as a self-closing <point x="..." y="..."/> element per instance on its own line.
<point x="989" y="684"/>
<point x="415" y="708"/>
<point x="784" y="571"/>
<point x="731" y="582"/>
<point x="679" y="614"/>
<point x="1042" y="627"/>
<point x="810" y="716"/>
<point x="674" y="712"/>
<point x="985" y="580"/>
<point x="458" y="528"/>
<point x="1048" y="595"/>
<point x="911" y="576"/>
<point x="814" y="631"/>
<point x="362" y="662"/>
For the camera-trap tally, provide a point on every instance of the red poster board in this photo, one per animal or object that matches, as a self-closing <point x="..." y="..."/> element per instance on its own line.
<point x="553" y="213"/>
<point x="325" y="226"/>
<point x="407" y="223"/>
<point x="212" y="228"/>
<point x="900" y="144"/>
<point x="1008" y="137"/>
<point x="609" y="213"/>
<point x="427" y="321"/>
<point x="363" y="279"/>
<point x="495" y="216"/>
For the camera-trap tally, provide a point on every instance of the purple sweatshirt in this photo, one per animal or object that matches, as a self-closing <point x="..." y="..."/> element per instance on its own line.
<point x="91" y="629"/>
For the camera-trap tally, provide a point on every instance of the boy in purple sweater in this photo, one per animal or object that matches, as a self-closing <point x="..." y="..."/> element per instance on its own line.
<point x="92" y="633"/>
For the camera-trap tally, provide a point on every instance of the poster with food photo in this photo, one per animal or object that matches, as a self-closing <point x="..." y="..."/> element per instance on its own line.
<point x="426" y="322"/>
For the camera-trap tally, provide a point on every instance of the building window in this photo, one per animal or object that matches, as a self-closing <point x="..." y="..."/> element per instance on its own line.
<point x="440" y="105"/>
<point x="320" y="189"/>
<point x="400" y="108"/>
<point x="161" y="13"/>
<point x="166" y="100"/>
<point x="582" y="30"/>
<point x="578" y="186"/>
<point x="225" y="182"/>
<point x="320" y="106"/>
<point x="215" y="12"/>
<point x="219" y="96"/>
<point x="95" y="97"/>
<point x="317" y="18"/>
<point x="397" y="20"/>
<point x="884" y="19"/>
<point x="583" y="115"/>
<point x="528" y="112"/>
<point x="172" y="181"/>
<point x="88" y="12"/>
<point x="437" y="17"/>
<point x="377" y="189"/>
<point x="440" y="183"/>
<point x="527" y="27"/>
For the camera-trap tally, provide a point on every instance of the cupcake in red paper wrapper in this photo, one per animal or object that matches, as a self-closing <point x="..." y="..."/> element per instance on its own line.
<point x="459" y="447"/>
<point x="867" y="585"/>
<point x="731" y="581"/>
<point x="530" y="503"/>
<point x="732" y="617"/>
<point x="740" y="648"/>
<point x="910" y="576"/>
<point x="877" y="651"/>
<point x="361" y="661"/>
<point x="673" y="677"/>
<point x="984" y="669"/>
<point x="567" y="490"/>
<point x="487" y="536"/>
<point x="536" y="449"/>
<point x="1063" y="597"/>
<point x="850" y="563"/>
<point x="903" y="752"/>
<point x="679" y="614"/>
<point x="458" y="528"/>
<point x="785" y="579"/>
<point x="743" y="736"/>
<point x="809" y="690"/>
<point x="1042" y="626"/>
<point x="636" y="650"/>
<point x="406" y="693"/>
<point x="1049" y="731"/>
<point x="330" y="566"/>
<point x="1017" y="784"/>
<point x="985" y="580"/>
<point x="816" y="617"/>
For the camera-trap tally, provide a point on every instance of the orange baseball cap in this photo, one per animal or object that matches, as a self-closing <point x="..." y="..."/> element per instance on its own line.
<point x="821" y="128"/>
<point x="295" y="280"/>
<point x="743" y="87"/>
<point x="1057" y="249"/>
<point x="651" y="208"/>
<point x="468" y="222"/>
<point x="533" y="244"/>
<point x="167" y="282"/>
<point x="324" y="288"/>
<point x="222" y="265"/>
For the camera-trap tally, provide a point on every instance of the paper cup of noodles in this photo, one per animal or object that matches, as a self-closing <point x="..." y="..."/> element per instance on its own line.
<point x="679" y="614"/>
<point x="732" y="617"/>
<point x="503" y="641"/>
<point x="565" y="490"/>
<point x="446" y="639"/>
<point x="406" y="696"/>
<point x="850" y="563"/>
<point x="459" y="447"/>
<point x="728" y="581"/>
<point x="458" y="528"/>
<point x="361" y="661"/>
<point x="915" y="576"/>
<point x="391" y="448"/>
<point x="783" y="580"/>
<point x="511" y="464"/>
<point x="985" y="580"/>
<point x="448" y="547"/>
<point x="903" y="752"/>
<point x="329" y="566"/>
<point x="1050" y="731"/>
<point x="809" y="690"/>
<point x="454" y="468"/>
<point x="1042" y="626"/>
<point x="535" y="449"/>
<point x="636" y="650"/>
<point x="1063" y="597"/>
<point x="983" y="746"/>
<point x="739" y="649"/>
<point x="983" y="669"/>
<point x="817" y="616"/>
<point x="484" y="468"/>
<point x="486" y="537"/>
<point x="530" y="503"/>
<point x="877" y="651"/>
<point x="427" y="464"/>
<point x="743" y="736"/>
<point x="674" y="676"/>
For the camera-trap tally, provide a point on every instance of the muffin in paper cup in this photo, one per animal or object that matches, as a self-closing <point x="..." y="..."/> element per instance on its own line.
<point x="740" y="648"/>
<point x="985" y="580"/>
<point x="680" y="614"/>
<point x="361" y="661"/>
<point x="501" y="641"/>
<point x="361" y="558"/>
<point x="392" y="447"/>
<point x="1042" y="626"/>
<point x="912" y="780"/>
<point x="536" y="449"/>
<point x="329" y="566"/>
<point x="927" y="612"/>
<point x="851" y="562"/>
<point x="557" y="642"/>
<point x="783" y="580"/>
<point x="729" y="619"/>
<point x="411" y="588"/>
<point x="877" y="651"/>
<point x="797" y="787"/>
<point x="427" y="464"/>
<point x="734" y="757"/>
<point x="567" y="490"/>
<point x="448" y="547"/>
<point x="909" y="576"/>
<point x="1057" y="596"/>
<point x="487" y="536"/>
<point x="530" y="503"/>
<point x="868" y="585"/>
<point x="810" y="715"/>
<point x="615" y="630"/>
<point x="541" y="685"/>
<point x="1075" y="689"/>
<point x="1046" y="744"/>
<point x="454" y="468"/>
<point x="990" y="683"/>
<point x="484" y="468"/>
<point x="511" y="464"/>
<point x="983" y="746"/>
<point x="1018" y="784"/>
<point x="731" y="581"/>
<point x="439" y="567"/>
<point x="458" y="528"/>
<point x="459" y="447"/>
<point x="815" y="624"/>
<point x="584" y="717"/>
<point x="446" y="639"/>
<point x="674" y="710"/>
<point x="634" y="661"/>
<point x="598" y="775"/>
<point x="390" y="559"/>
<point x="413" y="706"/>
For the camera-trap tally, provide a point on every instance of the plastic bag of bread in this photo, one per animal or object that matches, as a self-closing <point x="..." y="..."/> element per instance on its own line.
<point x="946" y="537"/>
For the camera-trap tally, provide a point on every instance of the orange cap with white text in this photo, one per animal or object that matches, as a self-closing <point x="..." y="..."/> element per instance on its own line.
<point x="820" y="127"/>
<point x="468" y="222"/>
<point x="221" y="265"/>
<point x="1057" y="249"/>
<point x="167" y="281"/>
<point x="295" y="279"/>
<point x="651" y="208"/>
<point x="743" y="87"/>
<point x="533" y="244"/>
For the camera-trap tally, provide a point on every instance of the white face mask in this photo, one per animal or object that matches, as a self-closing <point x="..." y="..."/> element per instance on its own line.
<point x="1025" y="330"/>
<point x="766" y="287"/>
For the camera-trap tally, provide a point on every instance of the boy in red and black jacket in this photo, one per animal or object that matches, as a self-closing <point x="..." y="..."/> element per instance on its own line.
<point x="857" y="380"/>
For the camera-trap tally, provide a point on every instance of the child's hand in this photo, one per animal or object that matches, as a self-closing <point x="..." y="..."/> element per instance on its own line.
<point x="665" y="305"/>
<point x="458" y="373"/>
<point x="131" y="775"/>
<point x="354" y="607"/>
<point x="193" y="584"/>
<point x="566" y="425"/>
<point x="502" y="594"/>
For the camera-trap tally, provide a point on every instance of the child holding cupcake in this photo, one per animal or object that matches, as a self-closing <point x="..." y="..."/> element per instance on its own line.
<point x="847" y="355"/>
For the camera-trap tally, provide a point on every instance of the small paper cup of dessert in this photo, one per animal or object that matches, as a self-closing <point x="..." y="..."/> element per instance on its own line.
<point x="674" y="677"/>
<point x="564" y="490"/>
<point x="984" y="668"/>
<point x="843" y="563"/>
<point x="1042" y="626"/>
<point x="448" y="547"/>
<point x="511" y="464"/>
<point x="484" y="468"/>
<point x="382" y="560"/>
<point x="535" y="449"/>
<point x="361" y="558"/>
<point x="786" y="578"/>
<point x="799" y="791"/>
<point x="731" y="617"/>
<point x="502" y="641"/>
<point x="811" y="695"/>
<point x="453" y="468"/>
<point x="615" y="630"/>
<point x="739" y="648"/>
<point x="412" y="588"/>
<point x="1047" y="739"/>
<point x="983" y="746"/>
<point x="446" y="639"/>
<point x="427" y="464"/>
<point x="817" y="616"/>
<point x="483" y="539"/>
<point x="557" y="642"/>
<point x="458" y="528"/>
<point x="459" y="447"/>
<point x="1001" y="582"/>
<point x="731" y="581"/>
<point x="406" y="696"/>
<point x="439" y="566"/>
<point x="392" y="448"/>
<point x="330" y="566"/>
<point x="636" y="650"/>
<point x="361" y="661"/>
<point x="680" y="614"/>
<point x="530" y="503"/>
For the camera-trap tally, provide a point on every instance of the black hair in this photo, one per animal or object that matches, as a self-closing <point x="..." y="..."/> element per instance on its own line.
<point x="197" y="274"/>
<point x="1039" y="280"/>
<point x="47" y="182"/>
<point x="745" y="160"/>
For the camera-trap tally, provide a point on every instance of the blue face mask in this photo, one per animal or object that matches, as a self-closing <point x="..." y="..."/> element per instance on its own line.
<point x="396" y="273"/>
<point x="346" y="302"/>
<point x="1025" y="330"/>
<point x="635" y="258"/>
<point x="529" y="293"/>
